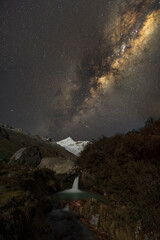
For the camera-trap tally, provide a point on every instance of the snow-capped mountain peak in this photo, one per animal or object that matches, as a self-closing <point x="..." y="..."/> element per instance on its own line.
<point x="68" y="140"/>
<point x="72" y="146"/>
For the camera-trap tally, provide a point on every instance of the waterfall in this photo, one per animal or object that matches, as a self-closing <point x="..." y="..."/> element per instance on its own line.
<point x="75" y="193"/>
<point x="75" y="184"/>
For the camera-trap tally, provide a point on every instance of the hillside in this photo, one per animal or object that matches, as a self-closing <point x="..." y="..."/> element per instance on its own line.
<point x="126" y="170"/>
<point x="25" y="189"/>
<point x="12" y="140"/>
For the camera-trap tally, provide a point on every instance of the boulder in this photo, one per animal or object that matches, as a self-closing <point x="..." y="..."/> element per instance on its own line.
<point x="58" y="165"/>
<point x="27" y="156"/>
<point x="95" y="220"/>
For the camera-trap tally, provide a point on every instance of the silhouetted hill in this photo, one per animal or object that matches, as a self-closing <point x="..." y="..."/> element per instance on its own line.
<point x="126" y="169"/>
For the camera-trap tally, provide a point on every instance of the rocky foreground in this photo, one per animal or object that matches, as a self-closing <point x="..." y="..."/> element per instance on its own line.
<point x="124" y="169"/>
<point x="32" y="169"/>
<point x="23" y="190"/>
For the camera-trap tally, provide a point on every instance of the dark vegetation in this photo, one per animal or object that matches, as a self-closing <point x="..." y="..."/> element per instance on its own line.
<point x="25" y="190"/>
<point x="22" y="189"/>
<point x="126" y="169"/>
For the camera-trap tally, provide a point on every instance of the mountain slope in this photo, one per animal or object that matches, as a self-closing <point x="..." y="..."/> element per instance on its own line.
<point x="125" y="169"/>
<point x="12" y="140"/>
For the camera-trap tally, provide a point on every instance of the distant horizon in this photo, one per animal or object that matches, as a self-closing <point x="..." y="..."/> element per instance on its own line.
<point x="63" y="138"/>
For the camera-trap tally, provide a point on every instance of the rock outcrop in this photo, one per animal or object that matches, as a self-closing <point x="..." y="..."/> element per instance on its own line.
<point x="58" y="165"/>
<point x="27" y="156"/>
<point x="87" y="179"/>
<point x="95" y="220"/>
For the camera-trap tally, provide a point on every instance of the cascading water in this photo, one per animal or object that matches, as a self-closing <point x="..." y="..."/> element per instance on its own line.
<point x="75" y="184"/>
<point x="75" y="194"/>
<point x="64" y="219"/>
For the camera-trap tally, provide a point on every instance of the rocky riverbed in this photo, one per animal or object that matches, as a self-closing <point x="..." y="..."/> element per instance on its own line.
<point x="66" y="225"/>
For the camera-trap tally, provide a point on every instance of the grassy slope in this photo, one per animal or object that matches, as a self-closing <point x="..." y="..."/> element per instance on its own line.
<point x="24" y="189"/>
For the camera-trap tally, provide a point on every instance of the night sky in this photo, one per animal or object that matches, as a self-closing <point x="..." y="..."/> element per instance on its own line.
<point x="79" y="68"/>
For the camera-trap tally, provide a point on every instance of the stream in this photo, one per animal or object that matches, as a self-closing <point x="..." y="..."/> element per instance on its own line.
<point x="65" y="225"/>
<point x="76" y="194"/>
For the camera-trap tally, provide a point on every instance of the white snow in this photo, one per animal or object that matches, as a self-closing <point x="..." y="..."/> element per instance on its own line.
<point x="72" y="146"/>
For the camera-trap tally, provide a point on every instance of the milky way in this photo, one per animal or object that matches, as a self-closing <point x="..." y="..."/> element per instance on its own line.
<point x="116" y="58"/>
<point x="83" y="73"/>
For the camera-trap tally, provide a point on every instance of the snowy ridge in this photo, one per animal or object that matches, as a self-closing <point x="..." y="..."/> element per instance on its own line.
<point x="72" y="146"/>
